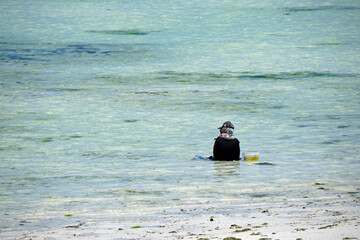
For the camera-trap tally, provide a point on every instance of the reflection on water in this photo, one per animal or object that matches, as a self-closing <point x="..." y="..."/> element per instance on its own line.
<point x="225" y="169"/>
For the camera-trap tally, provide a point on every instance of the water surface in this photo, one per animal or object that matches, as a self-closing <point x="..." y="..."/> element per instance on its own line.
<point x="105" y="104"/>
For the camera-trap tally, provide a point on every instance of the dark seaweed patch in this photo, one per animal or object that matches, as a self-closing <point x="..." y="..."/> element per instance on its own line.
<point x="266" y="164"/>
<point x="73" y="137"/>
<point x="329" y="44"/>
<point x="203" y="78"/>
<point x="320" y="8"/>
<point x="138" y="192"/>
<point x="278" y="107"/>
<point x="122" y="32"/>
<point x="64" y="89"/>
<point x="235" y="226"/>
<point x="332" y="142"/>
<point x="353" y="193"/>
<point x="74" y="226"/>
<point x="131" y="120"/>
<point x="333" y="117"/>
<point x="286" y="137"/>
<point x="249" y="75"/>
<point x="289" y="75"/>
<point x="16" y="57"/>
<point x="45" y="52"/>
<point x="259" y="195"/>
<point x="48" y="139"/>
<point x="328" y="226"/>
<point x="151" y="93"/>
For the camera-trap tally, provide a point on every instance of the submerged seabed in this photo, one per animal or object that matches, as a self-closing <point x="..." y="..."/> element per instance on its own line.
<point x="108" y="149"/>
<point x="104" y="106"/>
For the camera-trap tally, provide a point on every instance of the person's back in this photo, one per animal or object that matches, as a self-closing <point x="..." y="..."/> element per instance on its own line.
<point x="226" y="149"/>
<point x="226" y="146"/>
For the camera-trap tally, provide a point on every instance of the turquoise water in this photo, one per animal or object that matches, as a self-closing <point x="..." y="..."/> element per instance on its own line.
<point x="105" y="104"/>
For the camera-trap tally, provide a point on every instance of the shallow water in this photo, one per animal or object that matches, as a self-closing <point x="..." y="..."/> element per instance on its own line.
<point x="104" y="105"/>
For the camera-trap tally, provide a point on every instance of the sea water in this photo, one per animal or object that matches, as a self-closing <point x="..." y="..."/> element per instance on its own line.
<point x="104" y="104"/>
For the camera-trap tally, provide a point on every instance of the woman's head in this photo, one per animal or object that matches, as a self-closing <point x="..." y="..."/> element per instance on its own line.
<point x="227" y="125"/>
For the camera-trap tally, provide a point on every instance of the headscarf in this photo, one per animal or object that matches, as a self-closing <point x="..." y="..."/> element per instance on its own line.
<point x="227" y="133"/>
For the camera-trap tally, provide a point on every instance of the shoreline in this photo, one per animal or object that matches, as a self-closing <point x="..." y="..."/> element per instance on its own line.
<point x="321" y="219"/>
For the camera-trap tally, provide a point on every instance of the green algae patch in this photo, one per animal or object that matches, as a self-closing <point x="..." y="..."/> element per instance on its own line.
<point x="120" y="229"/>
<point x="72" y="137"/>
<point x="45" y="140"/>
<point x="337" y="213"/>
<point x="327" y="226"/>
<point x="131" y="120"/>
<point x="243" y="230"/>
<point x="136" y="227"/>
<point x="75" y="136"/>
<point x="68" y="215"/>
<point x="329" y="44"/>
<point x="234" y="226"/>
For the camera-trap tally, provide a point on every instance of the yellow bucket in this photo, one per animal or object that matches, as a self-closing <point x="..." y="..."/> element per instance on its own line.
<point x="250" y="156"/>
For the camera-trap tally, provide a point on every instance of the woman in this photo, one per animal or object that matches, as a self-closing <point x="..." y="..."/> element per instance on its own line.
<point x="226" y="146"/>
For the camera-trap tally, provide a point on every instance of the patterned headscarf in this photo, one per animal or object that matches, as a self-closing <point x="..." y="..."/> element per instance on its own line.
<point x="227" y="133"/>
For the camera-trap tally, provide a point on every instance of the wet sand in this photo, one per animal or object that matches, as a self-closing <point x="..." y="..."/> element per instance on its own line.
<point x="336" y="218"/>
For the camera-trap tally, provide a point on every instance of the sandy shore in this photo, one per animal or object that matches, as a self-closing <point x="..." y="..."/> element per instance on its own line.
<point x="306" y="219"/>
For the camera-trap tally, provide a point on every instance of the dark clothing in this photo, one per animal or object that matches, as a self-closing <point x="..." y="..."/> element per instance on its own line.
<point x="226" y="149"/>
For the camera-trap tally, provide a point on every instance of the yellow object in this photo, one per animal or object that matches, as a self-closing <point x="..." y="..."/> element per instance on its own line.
<point x="250" y="156"/>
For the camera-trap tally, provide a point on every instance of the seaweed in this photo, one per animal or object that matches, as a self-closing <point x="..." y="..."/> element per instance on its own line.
<point x="328" y="226"/>
<point x="336" y="213"/>
<point x="243" y="230"/>
<point x="135" y="227"/>
<point x="234" y="226"/>
<point x="75" y="226"/>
